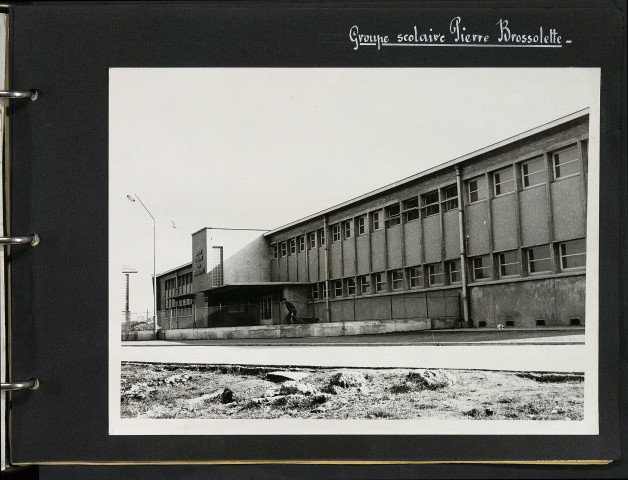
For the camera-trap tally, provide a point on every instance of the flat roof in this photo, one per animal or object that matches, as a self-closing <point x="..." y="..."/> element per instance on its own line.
<point x="185" y="265"/>
<point x="254" y="284"/>
<point x="450" y="163"/>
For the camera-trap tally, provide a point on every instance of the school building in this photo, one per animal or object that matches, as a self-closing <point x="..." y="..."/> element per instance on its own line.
<point x="496" y="237"/>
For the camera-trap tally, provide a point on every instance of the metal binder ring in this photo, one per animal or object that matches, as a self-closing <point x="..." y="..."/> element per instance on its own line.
<point x="19" y="240"/>
<point x="32" y="94"/>
<point x="31" y="384"/>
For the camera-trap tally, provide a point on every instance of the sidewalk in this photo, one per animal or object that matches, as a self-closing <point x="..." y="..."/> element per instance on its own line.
<point x="470" y="336"/>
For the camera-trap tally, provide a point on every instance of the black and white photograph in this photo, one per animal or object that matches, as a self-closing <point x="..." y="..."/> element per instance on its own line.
<point x="353" y="251"/>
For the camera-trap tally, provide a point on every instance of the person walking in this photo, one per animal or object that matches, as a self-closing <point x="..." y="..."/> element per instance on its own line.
<point x="292" y="311"/>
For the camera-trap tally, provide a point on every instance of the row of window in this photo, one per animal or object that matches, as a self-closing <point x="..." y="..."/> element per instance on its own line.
<point x="536" y="260"/>
<point x="171" y="303"/>
<point x="565" y="163"/>
<point x="178" y="285"/>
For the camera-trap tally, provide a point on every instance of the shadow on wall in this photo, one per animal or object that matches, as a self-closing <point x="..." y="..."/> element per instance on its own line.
<point x="249" y="264"/>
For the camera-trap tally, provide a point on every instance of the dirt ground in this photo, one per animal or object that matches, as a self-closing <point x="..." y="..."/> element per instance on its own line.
<point x="239" y="391"/>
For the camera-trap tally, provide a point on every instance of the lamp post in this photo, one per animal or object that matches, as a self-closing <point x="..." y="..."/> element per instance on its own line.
<point x="154" y="272"/>
<point x="127" y="312"/>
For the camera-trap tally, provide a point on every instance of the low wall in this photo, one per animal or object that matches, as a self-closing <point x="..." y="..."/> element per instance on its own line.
<point x="335" y="329"/>
<point x="138" y="335"/>
<point x="555" y="300"/>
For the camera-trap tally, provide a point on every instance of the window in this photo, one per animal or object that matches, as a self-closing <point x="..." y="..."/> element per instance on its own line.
<point x="375" y="221"/>
<point x="350" y="284"/>
<point x="415" y="276"/>
<point x="477" y="189"/>
<point x="365" y="284"/>
<point x="301" y="240"/>
<point x="435" y="274"/>
<point x="266" y="308"/>
<point x="508" y="263"/>
<point x="429" y="202"/>
<point x="410" y="209"/>
<point x="481" y="268"/>
<point x="539" y="259"/>
<point x="450" y="197"/>
<point x="321" y="237"/>
<point x="312" y="239"/>
<point x="566" y="162"/>
<point x="335" y="233"/>
<point x="361" y="224"/>
<point x="455" y="271"/>
<point x="324" y="289"/>
<point x="380" y="282"/>
<point x="533" y="172"/>
<point x="396" y="279"/>
<point x="573" y="254"/>
<point x="503" y="181"/>
<point x="315" y="291"/>
<point x="275" y="251"/>
<point x="346" y="229"/>
<point x="392" y="216"/>
<point x="284" y="249"/>
<point x="293" y="246"/>
<point x="337" y="286"/>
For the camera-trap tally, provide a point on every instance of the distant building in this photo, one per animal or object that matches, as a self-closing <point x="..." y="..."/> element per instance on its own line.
<point x="497" y="236"/>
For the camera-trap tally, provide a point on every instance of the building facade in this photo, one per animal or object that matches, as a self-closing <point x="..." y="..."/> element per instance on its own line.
<point x="497" y="237"/>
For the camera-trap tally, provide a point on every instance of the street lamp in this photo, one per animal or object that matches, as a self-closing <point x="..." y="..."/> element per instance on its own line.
<point x="154" y="272"/>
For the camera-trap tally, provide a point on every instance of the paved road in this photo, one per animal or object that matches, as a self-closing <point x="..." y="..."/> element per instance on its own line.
<point x="486" y="352"/>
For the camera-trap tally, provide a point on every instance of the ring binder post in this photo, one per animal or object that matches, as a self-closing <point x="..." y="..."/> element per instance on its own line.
<point x="32" y="239"/>
<point x="19" y="240"/>
<point x="32" y="384"/>
<point x="32" y="94"/>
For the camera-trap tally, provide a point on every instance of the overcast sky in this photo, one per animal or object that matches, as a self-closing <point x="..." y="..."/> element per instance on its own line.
<point x="259" y="148"/>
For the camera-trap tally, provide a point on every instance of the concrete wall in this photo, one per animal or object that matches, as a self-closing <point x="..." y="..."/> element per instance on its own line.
<point x="308" y="330"/>
<point x="556" y="300"/>
<point x="413" y="305"/>
<point x="250" y="264"/>
<point x="140" y="335"/>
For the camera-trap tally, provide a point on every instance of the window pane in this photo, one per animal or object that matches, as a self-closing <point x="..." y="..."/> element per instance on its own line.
<point x="566" y="162"/>
<point x="481" y="268"/>
<point x="573" y="254"/>
<point x="430" y="203"/>
<point x="397" y="279"/>
<point x="335" y="233"/>
<point x="435" y="274"/>
<point x="533" y="172"/>
<point x="411" y="209"/>
<point x="392" y="216"/>
<point x="455" y="272"/>
<point x="416" y="277"/>
<point x="350" y="286"/>
<point x="375" y="221"/>
<point x="365" y="284"/>
<point x="477" y="189"/>
<point x="504" y="181"/>
<point x="539" y="259"/>
<point x="347" y="230"/>
<point x="508" y="264"/>
<point x="380" y="282"/>
<point x="361" y="225"/>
